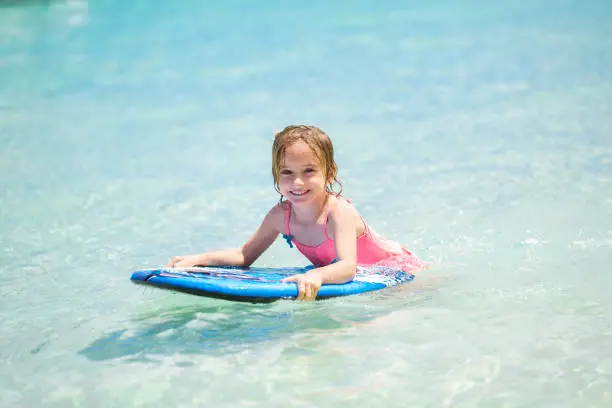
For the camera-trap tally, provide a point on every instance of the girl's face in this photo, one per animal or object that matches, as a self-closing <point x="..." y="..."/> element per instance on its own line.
<point x="301" y="179"/>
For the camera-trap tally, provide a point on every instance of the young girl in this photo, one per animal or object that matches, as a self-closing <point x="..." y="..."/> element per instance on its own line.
<point x="313" y="217"/>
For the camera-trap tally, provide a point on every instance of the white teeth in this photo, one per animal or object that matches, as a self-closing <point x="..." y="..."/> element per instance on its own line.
<point x="300" y="193"/>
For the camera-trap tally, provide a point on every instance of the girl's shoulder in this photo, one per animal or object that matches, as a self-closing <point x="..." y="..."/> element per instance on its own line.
<point x="341" y="206"/>
<point x="281" y="206"/>
<point x="276" y="215"/>
<point x="341" y="211"/>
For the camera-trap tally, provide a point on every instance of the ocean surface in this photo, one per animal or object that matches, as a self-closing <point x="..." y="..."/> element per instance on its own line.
<point x="478" y="133"/>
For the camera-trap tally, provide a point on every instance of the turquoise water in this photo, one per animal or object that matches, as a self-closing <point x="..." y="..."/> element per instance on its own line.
<point x="477" y="133"/>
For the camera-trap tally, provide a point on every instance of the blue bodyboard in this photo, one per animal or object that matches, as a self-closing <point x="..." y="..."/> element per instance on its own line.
<point x="257" y="284"/>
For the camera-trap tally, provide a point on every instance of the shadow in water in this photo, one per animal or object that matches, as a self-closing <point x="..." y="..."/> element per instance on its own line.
<point x="215" y="329"/>
<point x="221" y="328"/>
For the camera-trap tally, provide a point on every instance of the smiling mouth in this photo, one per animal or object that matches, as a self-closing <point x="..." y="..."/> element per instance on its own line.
<point x="299" y="194"/>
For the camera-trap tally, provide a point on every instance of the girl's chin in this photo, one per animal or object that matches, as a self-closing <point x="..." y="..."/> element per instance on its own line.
<point x="298" y="200"/>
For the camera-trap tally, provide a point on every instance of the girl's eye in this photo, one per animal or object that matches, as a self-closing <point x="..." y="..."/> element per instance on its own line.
<point x="285" y="172"/>
<point x="308" y="170"/>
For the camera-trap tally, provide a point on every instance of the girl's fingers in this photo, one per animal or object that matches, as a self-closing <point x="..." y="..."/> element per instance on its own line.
<point x="300" y="285"/>
<point x="173" y="262"/>
<point x="314" y="293"/>
<point x="308" y="293"/>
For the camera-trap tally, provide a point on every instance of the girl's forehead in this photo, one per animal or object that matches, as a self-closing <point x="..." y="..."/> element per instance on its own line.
<point x="300" y="152"/>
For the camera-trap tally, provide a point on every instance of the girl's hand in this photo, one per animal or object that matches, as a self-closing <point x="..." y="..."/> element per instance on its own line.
<point x="308" y="285"/>
<point x="185" y="261"/>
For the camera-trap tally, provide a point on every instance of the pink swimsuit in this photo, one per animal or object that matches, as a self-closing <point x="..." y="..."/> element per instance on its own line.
<point x="372" y="249"/>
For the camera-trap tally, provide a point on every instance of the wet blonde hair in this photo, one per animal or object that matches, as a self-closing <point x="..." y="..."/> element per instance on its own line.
<point x="320" y="144"/>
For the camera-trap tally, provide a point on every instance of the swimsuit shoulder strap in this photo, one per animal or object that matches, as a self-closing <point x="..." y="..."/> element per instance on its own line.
<point x="287" y="205"/>
<point x="287" y="235"/>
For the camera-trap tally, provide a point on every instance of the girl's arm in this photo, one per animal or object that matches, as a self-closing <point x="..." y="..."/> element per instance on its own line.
<point x="244" y="256"/>
<point x="345" y="225"/>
